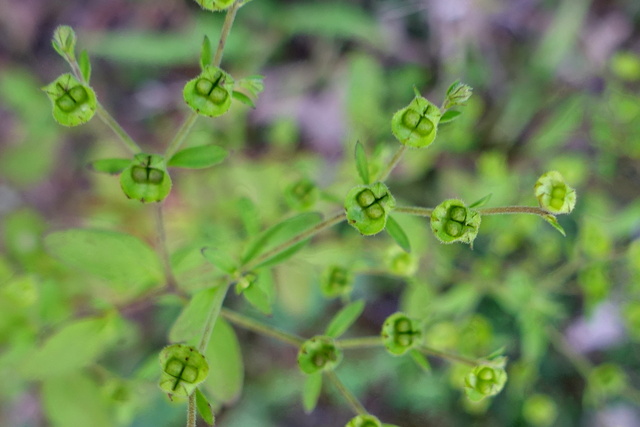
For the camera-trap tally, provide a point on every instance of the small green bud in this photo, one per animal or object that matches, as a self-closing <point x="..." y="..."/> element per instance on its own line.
<point x="400" y="262"/>
<point x="605" y="380"/>
<point x="484" y="381"/>
<point x="416" y="124"/>
<point x="73" y="102"/>
<point x="183" y="368"/>
<point x="400" y="334"/>
<point x="540" y="410"/>
<point x="215" y="5"/>
<point x="553" y="194"/>
<point x="367" y="207"/>
<point x="336" y="281"/>
<point x="302" y="194"/>
<point x="146" y="178"/>
<point x="319" y="353"/>
<point x="364" y="421"/>
<point x="210" y="93"/>
<point x="452" y="221"/>
<point x="457" y="94"/>
<point x="64" y="41"/>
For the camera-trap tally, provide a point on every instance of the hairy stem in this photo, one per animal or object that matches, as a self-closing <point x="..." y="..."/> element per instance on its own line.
<point x="260" y="328"/>
<point x="226" y="29"/>
<point x="191" y="410"/>
<point x="414" y="210"/>
<point x="448" y="356"/>
<point x="514" y="210"/>
<point x="351" y="399"/>
<point x="392" y="164"/>
<point x="164" y="251"/>
<point x="362" y="342"/>
<point x="212" y="317"/>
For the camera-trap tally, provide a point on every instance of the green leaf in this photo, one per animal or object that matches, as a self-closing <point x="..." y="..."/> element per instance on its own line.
<point x="452" y="86"/>
<point x="361" y="163"/>
<point x="243" y="98"/>
<point x="344" y="319"/>
<point x="204" y="408"/>
<point x="226" y="369"/>
<point x="311" y="391"/>
<point x="71" y="348"/>
<point x="395" y="230"/>
<point x="220" y="259"/>
<point x="205" y="53"/>
<point x="449" y="116"/>
<point x="279" y="234"/>
<point x="421" y="360"/>
<point x="200" y="157"/>
<point x="128" y="263"/>
<point x="260" y="293"/>
<point x="110" y="166"/>
<point x="188" y="327"/>
<point x="551" y="219"/>
<point x="250" y="215"/>
<point x="481" y="202"/>
<point x="85" y="65"/>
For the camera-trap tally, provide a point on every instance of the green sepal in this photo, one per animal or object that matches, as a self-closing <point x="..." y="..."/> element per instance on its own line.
<point x="551" y="219"/>
<point x="416" y="125"/>
<point x="367" y="420"/>
<point x="368" y="206"/>
<point x="64" y="41"/>
<point x="449" y="116"/>
<point x="110" y="166"/>
<point x="553" y="193"/>
<point x="183" y="368"/>
<point x="204" y="408"/>
<point x="215" y="5"/>
<point x="220" y="259"/>
<point x="336" y="281"/>
<point x="254" y="85"/>
<point x="344" y="319"/>
<point x="452" y="221"/>
<point x="400" y="333"/>
<point x="420" y="360"/>
<point x="481" y="202"/>
<point x="200" y="157"/>
<point x="210" y="93"/>
<point x="311" y="391"/>
<point x="243" y="98"/>
<point x="85" y="65"/>
<point x="205" y="53"/>
<point x="397" y="233"/>
<point x="146" y="179"/>
<point x="73" y="103"/>
<point x="302" y="195"/>
<point x="319" y="353"/>
<point x="361" y="163"/>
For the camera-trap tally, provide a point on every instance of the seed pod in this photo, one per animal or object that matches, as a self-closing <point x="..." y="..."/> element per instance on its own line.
<point x="336" y="281"/>
<point x="73" y="102"/>
<point x="210" y="93"/>
<point x="364" y="421"/>
<point x="452" y="221"/>
<point x="319" y="353"/>
<point x="302" y="194"/>
<point x="400" y="333"/>
<point x="215" y="5"/>
<point x="416" y="125"/>
<point x="146" y="178"/>
<point x="400" y="262"/>
<point x="484" y="381"/>
<point x="553" y="194"/>
<point x="183" y="368"/>
<point x="368" y="206"/>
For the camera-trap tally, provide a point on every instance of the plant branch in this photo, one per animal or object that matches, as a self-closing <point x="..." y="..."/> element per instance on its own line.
<point x="164" y="251"/>
<point x="362" y="342"/>
<point x="514" y="210"/>
<point x="191" y="410"/>
<point x="351" y="399"/>
<point x="414" y="210"/>
<point x="392" y="164"/>
<point x="260" y="328"/>
<point x="448" y="356"/>
<point x="214" y="311"/>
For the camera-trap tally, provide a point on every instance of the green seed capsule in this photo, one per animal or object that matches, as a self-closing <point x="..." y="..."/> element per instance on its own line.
<point x="215" y="5"/>
<point x="484" y="381"/>
<point x="416" y="125"/>
<point x="452" y="221"/>
<point x="209" y="94"/>
<point x="553" y="194"/>
<point x="364" y="421"/>
<point x="336" y="281"/>
<point x="183" y="368"/>
<point x="317" y="354"/>
<point x="367" y="207"/>
<point x="146" y="178"/>
<point x="302" y="195"/>
<point x="400" y="334"/>
<point x="73" y="102"/>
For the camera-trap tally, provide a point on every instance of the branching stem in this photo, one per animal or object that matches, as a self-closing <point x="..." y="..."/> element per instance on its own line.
<point x="351" y="399"/>
<point x="191" y="410"/>
<point x="260" y="328"/>
<point x="164" y="251"/>
<point x="212" y="317"/>
<point x="514" y="210"/>
<point x="414" y="210"/>
<point x="448" y="356"/>
<point x="362" y="342"/>
<point x="392" y="164"/>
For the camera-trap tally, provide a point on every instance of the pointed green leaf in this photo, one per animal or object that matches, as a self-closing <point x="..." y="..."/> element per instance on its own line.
<point x="449" y="116"/>
<point x="421" y="360"/>
<point x="311" y="391"/>
<point x="226" y="369"/>
<point x="344" y="319"/>
<point x="220" y="259"/>
<point x="200" y="157"/>
<point x="128" y="263"/>
<point x="260" y="293"/>
<point x="204" y="408"/>
<point x="252" y="84"/>
<point x="551" y="219"/>
<point x="205" y="53"/>
<point x="452" y="86"/>
<point x="395" y="230"/>
<point x="250" y="216"/>
<point x="188" y="327"/>
<point x="361" y="163"/>
<point x="85" y="65"/>
<point x="110" y="166"/>
<point x="243" y="98"/>
<point x="481" y="202"/>
<point x="279" y="234"/>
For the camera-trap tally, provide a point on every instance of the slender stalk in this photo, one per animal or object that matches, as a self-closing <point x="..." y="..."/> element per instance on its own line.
<point x="414" y="210"/>
<point x="448" y="356"/>
<point x="164" y="251"/>
<point x="351" y="399"/>
<point x="191" y="410"/>
<point x="327" y="223"/>
<point x="362" y="342"/>
<point x="260" y="328"/>
<point x="581" y="363"/>
<point x="514" y="210"/>
<point x="180" y="136"/>
<point x="392" y="164"/>
<point x="214" y="311"/>
<point x="226" y="29"/>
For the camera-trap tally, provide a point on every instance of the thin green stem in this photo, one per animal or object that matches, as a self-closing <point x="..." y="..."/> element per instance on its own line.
<point x="226" y="29"/>
<point x="392" y="164"/>
<point x="448" y="356"/>
<point x="327" y="223"/>
<point x="581" y="363"/>
<point x="414" y="210"/>
<point x="164" y="251"/>
<point x="514" y="210"/>
<point x="260" y="328"/>
<point x="212" y="317"/>
<point x="191" y="410"/>
<point x="180" y="136"/>
<point x="351" y="399"/>
<point x="362" y="342"/>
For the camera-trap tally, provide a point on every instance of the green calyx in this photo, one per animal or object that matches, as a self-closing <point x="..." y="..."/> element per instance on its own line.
<point x="302" y="194"/>
<point x="319" y="353"/>
<point x="400" y="333"/>
<point x="73" y="102"/>
<point x="485" y="381"/>
<point x="364" y="421"/>
<point x="146" y="179"/>
<point x="210" y="93"/>
<point x="336" y="281"/>
<point x="553" y="194"/>
<point x="416" y="125"/>
<point x="452" y="221"/>
<point x="367" y="207"/>
<point x="183" y="368"/>
<point x="215" y="5"/>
